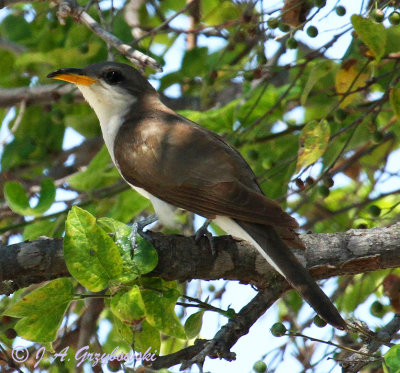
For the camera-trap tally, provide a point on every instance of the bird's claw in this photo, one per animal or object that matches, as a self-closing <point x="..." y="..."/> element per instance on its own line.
<point x="204" y="232"/>
<point x="138" y="226"/>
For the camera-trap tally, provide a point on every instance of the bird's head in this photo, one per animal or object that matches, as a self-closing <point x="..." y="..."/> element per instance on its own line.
<point x="109" y="87"/>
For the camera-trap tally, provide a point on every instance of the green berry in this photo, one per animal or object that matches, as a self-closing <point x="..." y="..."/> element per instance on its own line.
<point x="323" y="191"/>
<point x="318" y="321"/>
<point x="84" y="48"/>
<point x="319" y="3"/>
<point x="260" y="367"/>
<point x="283" y="27"/>
<point x="248" y="75"/>
<point x="273" y="23"/>
<point x="291" y="43"/>
<point x="57" y="115"/>
<point x="374" y="210"/>
<point x="278" y="329"/>
<point x="340" y="115"/>
<point x="312" y="32"/>
<point x="394" y="18"/>
<point x="340" y="11"/>
<point x="377" y="15"/>
<point x="252" y="154"/>
<point x="377" y="136"/>
<point x="377" y="309"/>
<point x="68" y="98"/>
<point x="211" y="288"/>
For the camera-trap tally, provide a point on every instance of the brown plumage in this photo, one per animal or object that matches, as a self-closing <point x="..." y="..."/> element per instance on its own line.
<point x="165" y="162"/>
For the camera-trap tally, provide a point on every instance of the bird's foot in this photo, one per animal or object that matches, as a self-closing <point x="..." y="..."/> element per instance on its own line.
<point x="138" y="226"/>
<point x="204" y="232"/>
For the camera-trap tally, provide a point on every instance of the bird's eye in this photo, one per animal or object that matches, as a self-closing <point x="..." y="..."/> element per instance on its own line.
<point x="113" y="77"/>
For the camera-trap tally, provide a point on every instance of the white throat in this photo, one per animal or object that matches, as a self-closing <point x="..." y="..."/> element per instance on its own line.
<point x="110" y="106"/>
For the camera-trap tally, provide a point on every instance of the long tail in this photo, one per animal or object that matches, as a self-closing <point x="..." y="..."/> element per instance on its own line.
<point x="281" y="257"/>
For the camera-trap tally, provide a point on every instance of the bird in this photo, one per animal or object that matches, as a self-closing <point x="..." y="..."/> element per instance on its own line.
<point x="176" y="163"/>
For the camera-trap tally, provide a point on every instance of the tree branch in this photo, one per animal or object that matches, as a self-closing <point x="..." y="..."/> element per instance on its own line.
<point x="37" y="95"/>
<point x="182" y="259"/>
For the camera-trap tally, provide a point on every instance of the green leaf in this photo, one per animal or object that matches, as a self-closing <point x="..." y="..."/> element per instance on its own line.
<point x="392" y="39"/>
<point x="42" y="310"/>
<point x="313" y="140"/>
<point x="39" y="228"/>
<point x="160" y="305"/>
<point x="15" y="28"/>
<point x="99" y="173"/>
<point x="120" y="335"/>
<point x="191" y="62"/>
<point x="90" y="254"/>
<point x="124" y="331"/>
<point x="392" y="359"/>
<point x="82" y="119"/>
<point x="193" y="324"/>
<point x="358" y="291"/>
<point x="17" y="199"/>
<point x="395" y="101"/>
<point x="145" y="256"/>
<point x="371" y="33"/>
<point x="128" y="305"/>
<point x="318" y="71"/>
<point x="147" y="337"/>
<point x="222" y="11"/>
<point x="128" y="204"/>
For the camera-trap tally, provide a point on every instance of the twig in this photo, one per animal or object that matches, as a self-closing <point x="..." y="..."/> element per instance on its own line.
<point x="16" y="124"/>
<point x="165" y="23"/>
<point x="69" y="7"/>
<point x="355" y="363"/>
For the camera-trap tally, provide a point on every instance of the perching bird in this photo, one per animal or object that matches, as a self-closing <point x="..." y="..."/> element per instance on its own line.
<point x="177" y="163"/>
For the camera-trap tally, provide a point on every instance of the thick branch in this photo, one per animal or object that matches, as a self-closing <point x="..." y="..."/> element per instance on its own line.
<point x="180" y="258"/>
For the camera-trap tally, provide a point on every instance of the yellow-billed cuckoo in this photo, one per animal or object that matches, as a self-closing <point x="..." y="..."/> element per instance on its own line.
<point x="177" y="163"/>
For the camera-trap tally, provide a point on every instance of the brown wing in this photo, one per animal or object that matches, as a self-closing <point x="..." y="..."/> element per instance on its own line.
<point x="192" y="168"/>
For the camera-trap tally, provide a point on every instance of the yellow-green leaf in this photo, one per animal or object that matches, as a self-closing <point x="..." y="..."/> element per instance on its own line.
<point x="42" y="310"/>
<point x="160" y="306"/>
<point x="91" y="255"/>
<point x="313" y="142"/>
<point x="348" y="79"/>
<point x="147" y="337"/>
<point x="373" y="34"/>
<point x="128" y="305"/>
